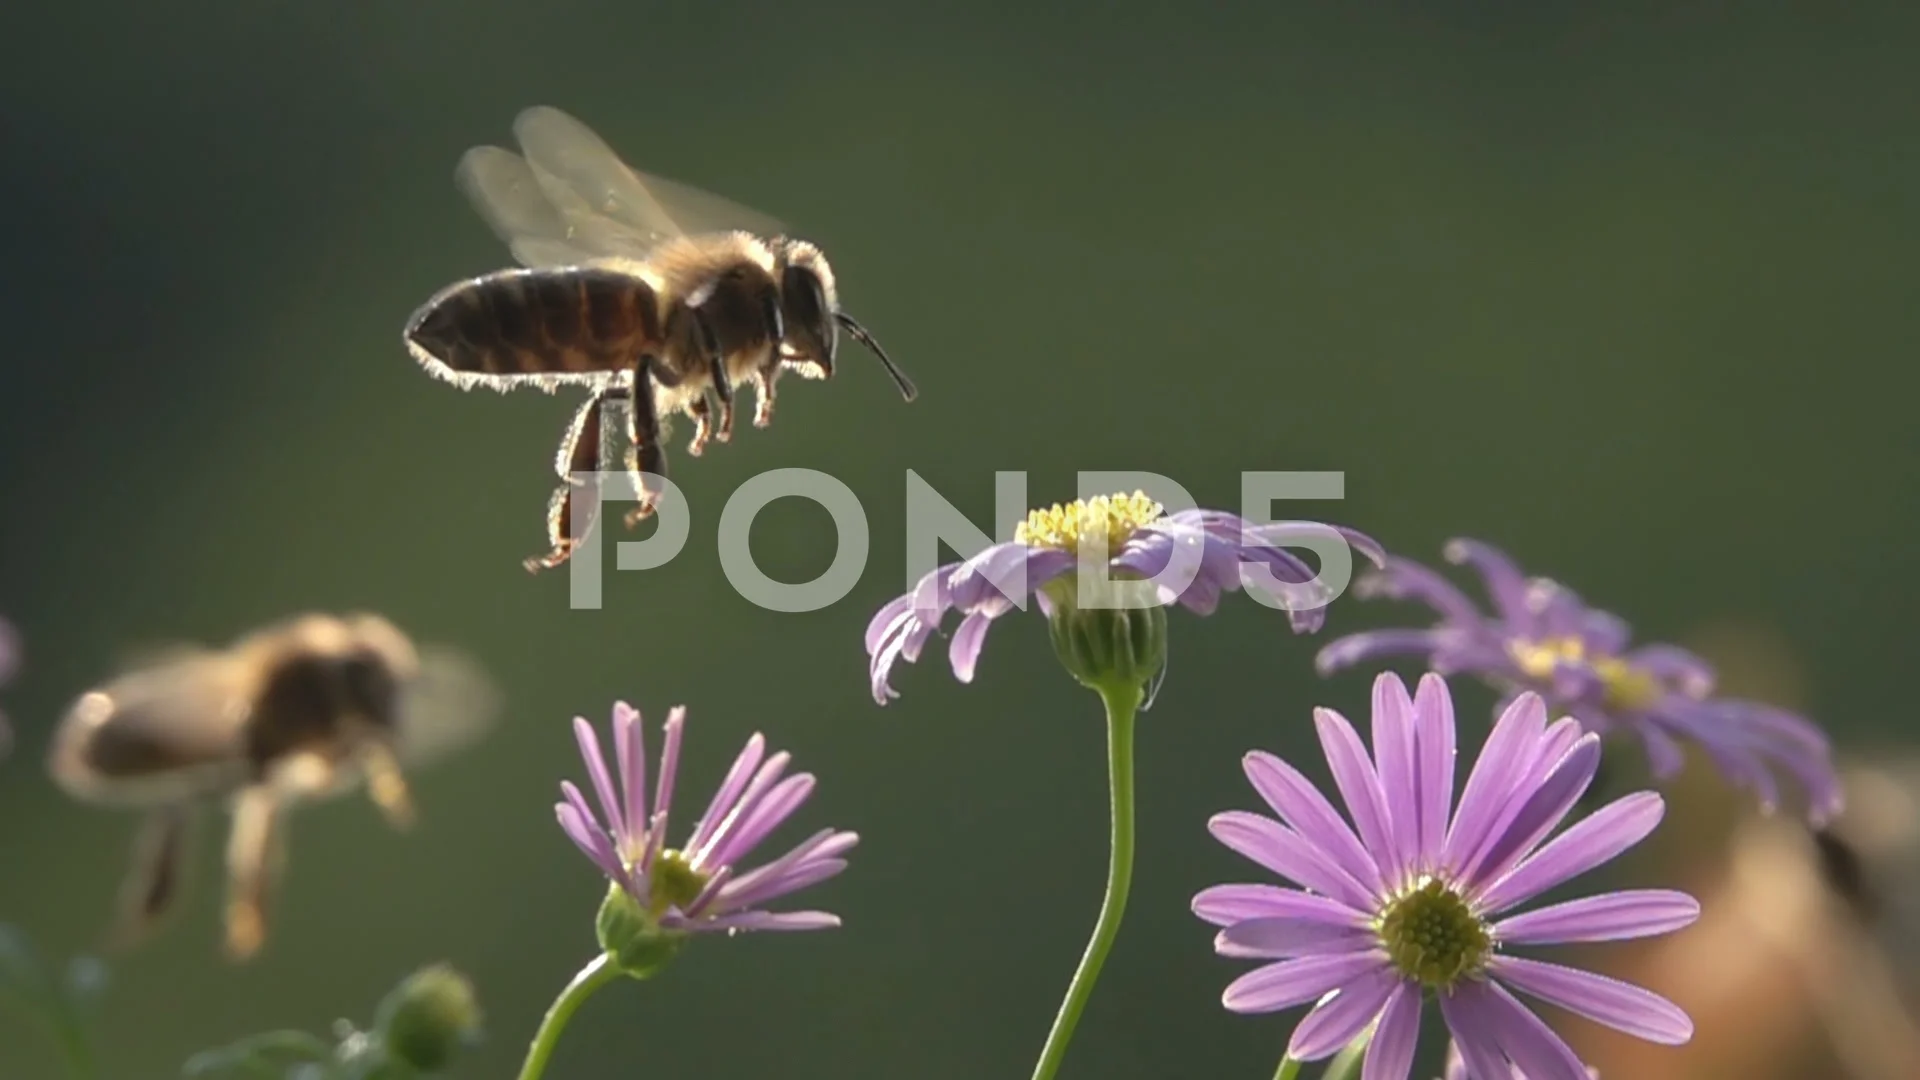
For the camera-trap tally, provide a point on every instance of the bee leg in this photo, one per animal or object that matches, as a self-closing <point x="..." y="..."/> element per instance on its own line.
<point x="701" y="409"/>
<point x="646" y="456"/>
<point x="152" y="884"/>
<point x="767" y="373"/>
<point x="254" y="849"/>
<point x="386" y="784"/>
<point x="579" y="452"/>
<point x="717" y="367"/>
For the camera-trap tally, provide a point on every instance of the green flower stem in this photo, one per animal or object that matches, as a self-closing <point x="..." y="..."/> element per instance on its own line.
<point x="1123" y="704"/>
<point x="1288" y="1069"/>
<point x="1346" y="1064"/>
<point x="595" y="975"/>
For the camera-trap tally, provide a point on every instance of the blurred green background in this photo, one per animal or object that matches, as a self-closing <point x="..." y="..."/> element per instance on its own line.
<point x="1629" y="295"/>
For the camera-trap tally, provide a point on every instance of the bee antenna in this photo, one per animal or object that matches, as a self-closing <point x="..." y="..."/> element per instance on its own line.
<point x="907" y="389"/>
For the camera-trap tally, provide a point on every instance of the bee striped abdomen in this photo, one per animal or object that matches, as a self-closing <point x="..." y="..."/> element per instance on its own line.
<point x="571" y="324"/>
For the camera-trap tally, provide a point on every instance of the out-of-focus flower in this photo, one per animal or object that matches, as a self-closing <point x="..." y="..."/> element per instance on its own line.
<point x="9" y="663"/>
<point x="1543" y="638"/>
<point x="1136" y="541"/>
<point x="667" y="893"/>
<point x="1416" y="895"/>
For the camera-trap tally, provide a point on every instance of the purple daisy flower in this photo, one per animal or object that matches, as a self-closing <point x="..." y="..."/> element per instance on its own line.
<point x="698" y="886"/>
<point x="1417" y="894"/>
<point x="1215" y="551"/>
<point x="1543" y="638"/>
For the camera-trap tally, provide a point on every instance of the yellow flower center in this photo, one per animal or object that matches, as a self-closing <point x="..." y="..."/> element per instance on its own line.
<point x="674" y="883"/>
<point x="1627" y="688"/>
<point x="1432" y="936"/>
<point x="1109" y="518"/>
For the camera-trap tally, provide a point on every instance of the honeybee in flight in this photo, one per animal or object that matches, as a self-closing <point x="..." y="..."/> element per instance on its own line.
<point x="656" y="296"/>
<point x="305" y="709"/>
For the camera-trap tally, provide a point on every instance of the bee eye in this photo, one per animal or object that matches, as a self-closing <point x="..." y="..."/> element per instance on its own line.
<point x="805" y="303"/>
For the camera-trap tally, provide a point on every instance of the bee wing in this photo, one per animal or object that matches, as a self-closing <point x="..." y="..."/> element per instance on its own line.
<point x="449" y="705"/>
<point x="600" y="195"/>
<point x="159" y="731"/>
<point x="514" y="203"/>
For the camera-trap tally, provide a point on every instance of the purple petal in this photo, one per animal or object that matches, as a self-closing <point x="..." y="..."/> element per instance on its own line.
<point x="1621" y="1006"/>
<point x="1224" y="905"/>
<point x="1341" y="1017"/>
<point x="1670" y="663"/>
<point x="769" y="812"/>
<point x="669" y="763"/>
<point x="1294" y="982"/>
<point x="1393" y="754"/>
<point x="1473" y="1036"/>
<point x="1665" y="759"/>
<point x="1303" y="808"/>
<point x="1288" y="854"/>
<point x="997" y="576"/>
<point x="1614" y="916"/>
<point x="804" y="876"/>
<point x="1538" y="815"/>
<point x="1370" y="645"/>
<point x="630" y="757"/>
<point x="1280" y="938"/>
<point x="1513" y="738"/>
<point x="602" y="782"/>
<point x="590" y="840"/>
<point x="768" y="775"/>
<point x="748" y="921"/>
<point x="1590" y="842"/>
<point x="964" y="651"/>
<point x="1434" y="743"/>
<point x="1490" y="1012"/>
<point x="1404" y="579"/>
<point x="1359" y="788"/>
<point x="1505" y="584"/>
<point x="1390" y="1054"/>
<point x="728" y="792"/>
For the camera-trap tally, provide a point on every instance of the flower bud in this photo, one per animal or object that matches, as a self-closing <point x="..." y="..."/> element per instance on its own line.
<point x="427" y="1017"/>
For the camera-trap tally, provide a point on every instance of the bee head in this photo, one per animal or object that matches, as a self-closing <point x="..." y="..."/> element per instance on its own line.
<point x="813" y="318"/>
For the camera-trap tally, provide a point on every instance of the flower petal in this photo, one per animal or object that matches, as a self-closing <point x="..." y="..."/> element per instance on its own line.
<point x="747" y="921"/>
<point x="1537" y="815"/>
<point x="1486" y="1010"/>
<point x="1308" y="813"/>
<point x="1359" y="786"/>
<point x="1592" y="841"/>
<point x="1224" y="905"/>
<point x="602" y="782"/>
<point x="1505" y="584"/>
<point x="1614" y="916"/>
<point x="1288" y="854"/>
<point x="728" y="792"/>
<point x="1473" y="1037"/>
<point x="1295" y="982"/>
<point x="1390" y="1054"/>
<point x="1434" y="753"/>
<point x="1621" y="1006"/>
<point x="1340" y="1017"/>
<point x="1368" y="645"/>
<point x="1393" y="755"/>
<point x="630" y="758"/>
<point x="1280" y="938"/>
<point x="589" y="839"/>
<point x="1508" y="748"/>
<point x="964" y="651"/>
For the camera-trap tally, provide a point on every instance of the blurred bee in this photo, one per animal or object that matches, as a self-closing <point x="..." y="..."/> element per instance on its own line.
<point x="656" y="296"/>
<point x="305" y="709"/>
